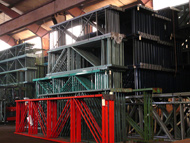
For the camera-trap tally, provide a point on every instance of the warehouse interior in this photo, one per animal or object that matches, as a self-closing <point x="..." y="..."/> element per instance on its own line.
<point x="95" y="71"/>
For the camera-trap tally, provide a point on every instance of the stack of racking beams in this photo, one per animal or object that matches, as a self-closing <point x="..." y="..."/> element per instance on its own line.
<point x="93" y="61"/>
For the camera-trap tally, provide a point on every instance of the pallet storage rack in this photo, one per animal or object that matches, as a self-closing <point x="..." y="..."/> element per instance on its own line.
<point x="17" y="70"/>
<point x="130" y="51"/>
<point x="17" y="65"/>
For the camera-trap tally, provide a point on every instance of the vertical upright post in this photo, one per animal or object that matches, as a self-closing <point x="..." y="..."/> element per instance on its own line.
<point x="134" y="21"/>
<point x="109" y="51"/>
<point x="22" y="109"/>
<point x="30" y="118"/>
<point x="78" y="125"/>
<point x="4" y="111"/>
<point x="111" y="122"/>
<point x="35" y="121"/>
<point x="113" y="53"/>
<point x="104" y="121"/>
<point x="17" y="116"/>
<point x="148" y="119"/>
<point x="182" y="120"/>
<point x="54" y="112"/>
<point x="106" y="25"/>
<point x="72" y="122"/>
<point x="96" y="24"/>
<point x="75" y="123"/>
<point x="175" y="120"/>
<point x="103" y="55"/>
<point x="49" y="107"/>
<point x="72" y="59"/>
<point x="68" y="59"/>
<point x="141" y="116"/>
<point x="1" y="110"/>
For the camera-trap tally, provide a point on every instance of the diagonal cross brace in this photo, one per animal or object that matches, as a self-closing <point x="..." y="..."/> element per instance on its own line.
<point x="88" y="121"/>
<point x="88" y="56"/>
<point x="157" y="117"/>
<point x="58" y="60"/>
<point x="60" y="124"/>
<point x="135" y="126"/>
<point x="39" y="119"/>
<point x="168" y="121"/>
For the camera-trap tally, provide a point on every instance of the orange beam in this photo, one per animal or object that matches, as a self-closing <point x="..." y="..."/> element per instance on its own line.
<point x="75" y="12"/>
<point x="37" y="29"/>
<point x="8" y="39"/>
<point x="148" y="3"/>
<point x="45" y="44"/>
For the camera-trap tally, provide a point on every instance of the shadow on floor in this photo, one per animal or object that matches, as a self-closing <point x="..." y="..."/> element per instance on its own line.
<point x="7" y="136"/>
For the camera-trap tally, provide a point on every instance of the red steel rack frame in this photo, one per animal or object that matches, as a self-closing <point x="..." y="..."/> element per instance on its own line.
<point x="75" y="109"/>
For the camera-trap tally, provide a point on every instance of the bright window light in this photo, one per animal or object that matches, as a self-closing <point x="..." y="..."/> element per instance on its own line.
<point x="37" y="44"/>
<point x="159" y="4"/>
<point x="4" y="45"/>
<point x="94" y="29"/>
<point x="76" y="31"/>
<point x="36" y="41"/>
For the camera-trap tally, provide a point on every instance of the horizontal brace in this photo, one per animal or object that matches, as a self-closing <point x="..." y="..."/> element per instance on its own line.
<point x="128" y="90"/>
<point x="60" y="98"/>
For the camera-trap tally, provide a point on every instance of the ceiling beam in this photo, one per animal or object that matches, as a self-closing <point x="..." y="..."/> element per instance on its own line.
<point x="38" y="14"/>
<point x="148" y="3"/>
<point x="8" y="39"/>
<point x="14" y="3"/>
<point x="36" y="29"/>
<point x="8" y="11"/>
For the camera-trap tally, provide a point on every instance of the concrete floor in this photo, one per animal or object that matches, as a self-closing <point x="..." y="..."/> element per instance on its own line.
<point x="7" y="136"/>
<point x="182" y="141"/>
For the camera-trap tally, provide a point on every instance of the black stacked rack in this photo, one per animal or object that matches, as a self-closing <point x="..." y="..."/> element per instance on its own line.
<point x="152" y="51"/>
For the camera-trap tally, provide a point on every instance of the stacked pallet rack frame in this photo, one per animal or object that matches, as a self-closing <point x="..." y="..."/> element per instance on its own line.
<point x="96" y="83"/>
<point x="152" y="52"/>
<point x="17" y="70"/>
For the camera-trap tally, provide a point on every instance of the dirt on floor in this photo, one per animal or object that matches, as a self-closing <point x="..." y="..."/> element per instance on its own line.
<point x="7" y="136"/>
